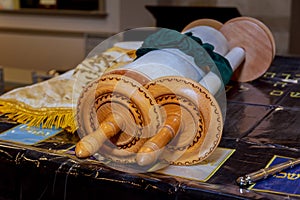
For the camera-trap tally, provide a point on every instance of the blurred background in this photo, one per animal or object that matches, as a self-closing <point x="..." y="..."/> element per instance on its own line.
<point x="39" y="36"/>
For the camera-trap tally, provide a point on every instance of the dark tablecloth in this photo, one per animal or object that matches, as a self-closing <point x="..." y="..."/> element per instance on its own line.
<point x="262" y="120"/>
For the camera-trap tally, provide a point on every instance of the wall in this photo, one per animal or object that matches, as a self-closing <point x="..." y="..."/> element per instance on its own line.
<point x="273" y="13"/>
<point x="41" y="42"/>
<point x="134" y="14"/>
<point x="25" y="52"/>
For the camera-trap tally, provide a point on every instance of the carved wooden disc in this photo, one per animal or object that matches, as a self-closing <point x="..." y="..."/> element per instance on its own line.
<point x="137" y="76"/>
<point x="258" y="43"/>
<point x="264" y="27"/>
<point x="119" y="94"/>
<point x="202" y="124"/>
<point x="203" y="22"/>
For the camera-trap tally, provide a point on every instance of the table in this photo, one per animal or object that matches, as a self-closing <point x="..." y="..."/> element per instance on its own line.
<point x="262" y="120"/>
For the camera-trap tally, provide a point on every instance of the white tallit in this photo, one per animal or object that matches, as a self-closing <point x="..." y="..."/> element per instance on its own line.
<point x="52" y="102"/>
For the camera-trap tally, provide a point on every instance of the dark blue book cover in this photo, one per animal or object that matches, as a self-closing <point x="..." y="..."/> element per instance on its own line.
<point x="285" y="182"/>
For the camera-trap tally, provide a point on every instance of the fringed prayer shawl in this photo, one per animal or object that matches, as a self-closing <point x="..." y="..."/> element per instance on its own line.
<point x="52" y="103"/>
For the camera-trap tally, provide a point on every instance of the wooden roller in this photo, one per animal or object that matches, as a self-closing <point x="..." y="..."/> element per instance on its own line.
<point x="251" y="40"/>
<point x="250" y="50"/>
<point x="117" y="109"/>
<point x="190" y="113"/>
<point x="117" y="128"/>
<point x="184" y="107"/>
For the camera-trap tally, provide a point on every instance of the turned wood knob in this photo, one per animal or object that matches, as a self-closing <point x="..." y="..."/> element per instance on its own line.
<point x="190" y="113"/>
<point x="91" y="143"/>
<point x="151" y="150"/>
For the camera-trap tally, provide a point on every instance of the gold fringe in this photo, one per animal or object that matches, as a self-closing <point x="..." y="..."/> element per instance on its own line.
<point x="46" y="117"/>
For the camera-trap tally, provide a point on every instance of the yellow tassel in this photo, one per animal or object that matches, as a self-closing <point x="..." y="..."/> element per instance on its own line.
<point x="47" y="117"/>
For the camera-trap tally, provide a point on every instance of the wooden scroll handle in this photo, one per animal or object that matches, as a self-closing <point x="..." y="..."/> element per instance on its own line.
<point x="187" y="108"/>
<point x="256" y="40"/>
<point x="150" y="151"/>
<point x="250" y="40"/>
<point x="116" y="104"/>
<point x="91" y="143"/>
